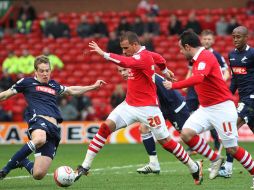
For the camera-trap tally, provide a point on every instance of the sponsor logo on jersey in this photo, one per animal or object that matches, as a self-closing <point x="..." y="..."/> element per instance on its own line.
<point x="46" y="89"/>
<point x="201" y="66"/>
<point x="239" y="70"/>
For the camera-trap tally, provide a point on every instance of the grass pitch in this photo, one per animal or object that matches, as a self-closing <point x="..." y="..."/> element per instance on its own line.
<point x="115" y="168"/>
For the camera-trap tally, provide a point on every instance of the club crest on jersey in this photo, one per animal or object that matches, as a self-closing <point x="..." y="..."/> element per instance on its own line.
<point x="243" y="59"/>
<point x="239" y="70"/>
<point x="45" y="89"/>
<point x="136" y="57"/>
<point x="201" y="66"/>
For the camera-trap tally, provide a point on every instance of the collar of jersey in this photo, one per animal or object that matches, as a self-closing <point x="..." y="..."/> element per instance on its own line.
<point x="35" y="78"/>
<point x="246" y="49"/>
<point x="141" y="49"/>
<point x="198" y="52"/>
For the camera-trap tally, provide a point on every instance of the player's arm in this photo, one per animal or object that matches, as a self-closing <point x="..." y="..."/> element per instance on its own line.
<point x="7" y="94"/>
<point x="161" y="63"/>
<point x="194" y="80"/>
<point x="78" y="90"/>
<point x="233" y="85"/>
<point x="127" y="62"/>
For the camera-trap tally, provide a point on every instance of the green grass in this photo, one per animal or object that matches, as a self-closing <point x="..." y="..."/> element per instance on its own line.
<point x="115" y="168"/>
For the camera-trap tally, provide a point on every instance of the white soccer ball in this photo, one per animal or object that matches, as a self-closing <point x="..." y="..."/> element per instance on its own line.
<point x="64" y="176"/>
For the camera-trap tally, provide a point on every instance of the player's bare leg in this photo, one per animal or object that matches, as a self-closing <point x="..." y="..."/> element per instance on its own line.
<point x="95" y="146"/>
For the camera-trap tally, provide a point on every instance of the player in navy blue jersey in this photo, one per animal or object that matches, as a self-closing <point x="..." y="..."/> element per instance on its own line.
<point x="207" y="40"/>
<point x="42" y="116"/>
<point x="241" y="61"/>
<point x="173" y="108"/>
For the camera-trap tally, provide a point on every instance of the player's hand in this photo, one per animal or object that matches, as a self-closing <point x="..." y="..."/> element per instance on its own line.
<point x="95" y="48"/>
<point x="169" y="75"/>
<point x="167" y="84"/>
<point x="99" y="83"/>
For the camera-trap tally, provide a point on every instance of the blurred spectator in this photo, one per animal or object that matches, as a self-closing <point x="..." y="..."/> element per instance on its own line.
<point x="6" y="81"/>
<point x="175" y="25"/>
<point x="10" y="64"/>
<point x="24" y="25"/>
<point x="143" y="7"/>
<point x="151" y="26"/>
<point x="208" y="23"/>
<point x="221" y="26"/>
<point x="26" y="62"/>
<point x="46" y="21"/>
<point x="154" y="8"/>
<point x="232" y="25"/>
<point x="82" y="104"/>
<point x="5" y="115"/>
<point x="114" y="44"/>
<point x="55" y="62"/>
<point x="123" y="26"/>
<point x="68" y="111"/>
<point x="146" y="40"/>
<point x="99" y="28"/>
<point x="118" y="96"/>
<point x="250" y="7"/>
<point x="28" y="10"/>
<point x="138" y="26"/>
<point x="57" y="29"/>
<point x="193" y="23"/>
<point x="84" y="29"/>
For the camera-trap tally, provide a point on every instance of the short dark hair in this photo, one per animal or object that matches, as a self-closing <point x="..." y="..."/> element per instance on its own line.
<point x="190" y="38"/>
<point x="130" y="36"/>
<point x="41" y="59"/>
<point x="207" y="32"/>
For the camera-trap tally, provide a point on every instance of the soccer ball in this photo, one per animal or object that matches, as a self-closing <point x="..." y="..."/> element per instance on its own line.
<point x="64" y="176"/>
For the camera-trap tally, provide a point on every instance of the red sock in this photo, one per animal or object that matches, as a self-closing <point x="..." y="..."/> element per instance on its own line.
<point x="178" y="150"/>
<point x="245" y="159"/>
<point x="199" y="145"/>
<point x="99" y="139"/>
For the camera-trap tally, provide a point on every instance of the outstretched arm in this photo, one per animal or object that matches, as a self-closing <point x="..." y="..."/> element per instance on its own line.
<point x="78" y="90"/>
<point x="7" y="94"/>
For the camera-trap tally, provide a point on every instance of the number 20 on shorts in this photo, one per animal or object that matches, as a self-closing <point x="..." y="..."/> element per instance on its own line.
<point x="154" y="121"/>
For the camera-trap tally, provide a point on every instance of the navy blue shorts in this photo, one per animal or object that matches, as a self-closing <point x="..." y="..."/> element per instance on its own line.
<point x="178" y="119"/>
<point x="53" y="136"/>
<point x="246" y="112"/>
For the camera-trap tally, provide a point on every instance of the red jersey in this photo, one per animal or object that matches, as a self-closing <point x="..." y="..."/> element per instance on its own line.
<point x="141" y="90"/>
<point x="211" y="89"/>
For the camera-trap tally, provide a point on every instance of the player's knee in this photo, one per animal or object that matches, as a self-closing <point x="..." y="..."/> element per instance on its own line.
<point x="39" y="174"/>
<point x="39" y="141"/>
<point x="185" y="135"/>
<point x="231" y="150"/>
<point x="143" y="129"/>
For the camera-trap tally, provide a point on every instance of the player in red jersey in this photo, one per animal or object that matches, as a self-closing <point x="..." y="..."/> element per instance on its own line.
<point x="217" y="109"/>
<point x="141" y="104"/>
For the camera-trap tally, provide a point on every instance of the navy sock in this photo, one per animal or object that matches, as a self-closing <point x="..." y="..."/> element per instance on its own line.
<point x="26" y="163"/>
<point x="230" y="158"/>
<point x="149" y="143"/>
<point x="25" y="151"/>
<point x="214" y="134"/>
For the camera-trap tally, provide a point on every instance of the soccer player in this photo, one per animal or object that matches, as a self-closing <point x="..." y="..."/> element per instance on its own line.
<point x="241" y="61"/>
<point x="42" y="116"/>
<point x="207" y="41"/>
<point x="141" y="104"/>
<point x="217" y="109"/>
<point x="173" y="108"/>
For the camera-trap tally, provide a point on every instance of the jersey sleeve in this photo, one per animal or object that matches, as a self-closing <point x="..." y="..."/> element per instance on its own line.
<point x="159" y="60"/>
<point x="136" y="61"/>
<point x="20" y="86"/>
<point x="202" y="68"/>
<point x="60" y="89"/>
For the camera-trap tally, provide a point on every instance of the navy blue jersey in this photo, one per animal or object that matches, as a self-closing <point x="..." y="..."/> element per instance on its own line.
<point x="170" y="100"/>
<point x="41" y="98"/>
<point x="220" y="59"/>
<point x="242" y="66"/>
